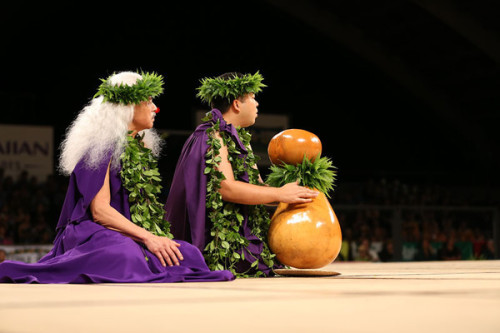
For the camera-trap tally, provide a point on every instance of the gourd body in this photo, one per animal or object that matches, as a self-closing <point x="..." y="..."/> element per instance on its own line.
<point x="290" y="146"/>
<point x="305" y="235"/>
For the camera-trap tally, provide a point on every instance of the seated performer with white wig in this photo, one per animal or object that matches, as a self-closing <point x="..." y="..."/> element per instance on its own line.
<point x="112" y="227"/>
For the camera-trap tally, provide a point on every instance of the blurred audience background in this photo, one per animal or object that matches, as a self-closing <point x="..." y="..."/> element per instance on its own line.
<point x="432" y="222"/>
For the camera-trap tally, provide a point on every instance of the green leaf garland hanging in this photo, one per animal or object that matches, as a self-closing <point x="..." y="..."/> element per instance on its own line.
<point x="141" y="178"/>
<point x="225" y="248"/>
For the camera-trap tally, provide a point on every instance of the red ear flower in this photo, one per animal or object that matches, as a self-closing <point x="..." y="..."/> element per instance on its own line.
<point x="157" y="110"/>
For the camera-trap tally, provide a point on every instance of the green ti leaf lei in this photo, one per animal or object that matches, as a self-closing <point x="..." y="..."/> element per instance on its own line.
<point x="151" y="85"/>
<point x="213" y="88"/>
<point x="319" y="174"/>
<point x="142" y="180"/>
<point x="225" y="249"/>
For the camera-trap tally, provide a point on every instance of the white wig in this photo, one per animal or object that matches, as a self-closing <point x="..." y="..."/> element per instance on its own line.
<point x="102" y="127"/>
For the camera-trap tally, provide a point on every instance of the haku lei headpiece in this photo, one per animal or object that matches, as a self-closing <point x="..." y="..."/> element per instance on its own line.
<point x="151" y="85"/>
<point x="218" y="87"/>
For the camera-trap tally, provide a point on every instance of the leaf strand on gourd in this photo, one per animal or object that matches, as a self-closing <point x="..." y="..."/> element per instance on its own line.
<point x="319" y="174"/>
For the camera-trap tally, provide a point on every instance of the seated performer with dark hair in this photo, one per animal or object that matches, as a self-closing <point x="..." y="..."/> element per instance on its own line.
<point x="112" y="227"/>
<point x="216" y="196"/>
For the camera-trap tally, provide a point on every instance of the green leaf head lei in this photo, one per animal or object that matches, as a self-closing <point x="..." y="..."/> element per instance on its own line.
<point x="229" y="87"/>
<point x="150" y="85"/>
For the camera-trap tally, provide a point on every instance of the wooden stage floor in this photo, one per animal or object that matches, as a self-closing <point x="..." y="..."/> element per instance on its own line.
<point x="458" y="296"/>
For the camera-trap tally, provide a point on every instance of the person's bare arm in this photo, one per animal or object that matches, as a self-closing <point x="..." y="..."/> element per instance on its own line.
<point x="255" y="167"/>
<point x="236" y="191"/>
<point x="165" y="249"/>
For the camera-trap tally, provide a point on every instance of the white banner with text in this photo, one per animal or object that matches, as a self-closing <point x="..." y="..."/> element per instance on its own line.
<point x="27" y="148"/>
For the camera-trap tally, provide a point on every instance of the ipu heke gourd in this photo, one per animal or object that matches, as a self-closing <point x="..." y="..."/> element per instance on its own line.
<point x="305" y="235"/>
<point x="290" y="146"/>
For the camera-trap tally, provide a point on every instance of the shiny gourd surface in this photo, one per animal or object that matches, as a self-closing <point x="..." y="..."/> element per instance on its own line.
<point x="305" y="235"/>
<point x="308" y="235"/>
<point x="290" y="146"/>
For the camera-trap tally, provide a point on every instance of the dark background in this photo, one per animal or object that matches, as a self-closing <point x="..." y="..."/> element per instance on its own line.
<point x="403" y="90"/>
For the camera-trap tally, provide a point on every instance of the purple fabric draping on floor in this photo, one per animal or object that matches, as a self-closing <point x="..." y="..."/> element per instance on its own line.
<point x="86" y="252"/>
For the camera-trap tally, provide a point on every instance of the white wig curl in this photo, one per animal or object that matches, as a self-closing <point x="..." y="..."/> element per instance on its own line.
<point x="102" y="127"/>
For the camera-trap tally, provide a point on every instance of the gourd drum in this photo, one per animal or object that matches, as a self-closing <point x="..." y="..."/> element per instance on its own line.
<point x="290" y="146"/>
<point x="305" y="235"/>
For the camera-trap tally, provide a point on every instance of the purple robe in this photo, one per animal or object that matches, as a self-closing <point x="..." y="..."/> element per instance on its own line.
<point x="186" y="202"/>
<point x="86" y="252"/>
